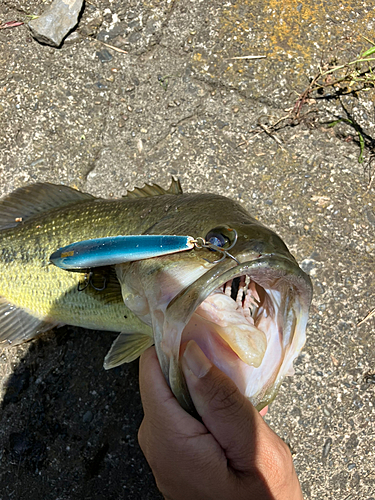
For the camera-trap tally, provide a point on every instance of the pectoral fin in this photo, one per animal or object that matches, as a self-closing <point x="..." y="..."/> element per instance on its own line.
<point x="17" y="325"/>
<point x="126" y="348"/>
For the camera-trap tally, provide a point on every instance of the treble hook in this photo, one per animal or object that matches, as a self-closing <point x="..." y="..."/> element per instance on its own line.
<point x="87" y="280"/>
<point x="200" y="242"/>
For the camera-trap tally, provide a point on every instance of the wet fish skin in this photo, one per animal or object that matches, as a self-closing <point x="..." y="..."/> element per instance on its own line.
<point x="29" y="281"/>
<point x="35" y="295"/>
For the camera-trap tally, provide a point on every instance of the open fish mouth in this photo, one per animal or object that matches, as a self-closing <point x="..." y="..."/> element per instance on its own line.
<point x="249" y="320"/>
<point x="234" y="310"/>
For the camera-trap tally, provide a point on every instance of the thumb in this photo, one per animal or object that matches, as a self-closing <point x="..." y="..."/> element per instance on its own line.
<point x="227" y="414"/>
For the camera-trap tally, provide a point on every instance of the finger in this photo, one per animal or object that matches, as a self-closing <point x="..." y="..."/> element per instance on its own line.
<point x="168" y="435"/>
<point x="159" y="404"/>
<point x="150" y="373"/>
<point x="264" y="411"/>
<point x="226" y="413"/>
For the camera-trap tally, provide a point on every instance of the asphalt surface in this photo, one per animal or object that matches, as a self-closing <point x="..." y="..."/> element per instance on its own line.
<point x="179" y="103"/>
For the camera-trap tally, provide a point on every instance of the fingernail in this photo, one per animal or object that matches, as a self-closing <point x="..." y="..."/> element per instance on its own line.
<point x="195" y="359"/>
<point x="264" y="411"/>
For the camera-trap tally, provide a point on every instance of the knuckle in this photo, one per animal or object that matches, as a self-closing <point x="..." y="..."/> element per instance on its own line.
<point x="224" y="397"/>
<point x="277" y="461"/>
<point x="141" y="436"/>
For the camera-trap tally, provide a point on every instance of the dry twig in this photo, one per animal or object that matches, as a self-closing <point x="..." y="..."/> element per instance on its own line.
<point x="11" y="24"/>
<point x="368" y="316"/>
<point x="111" y="46"/>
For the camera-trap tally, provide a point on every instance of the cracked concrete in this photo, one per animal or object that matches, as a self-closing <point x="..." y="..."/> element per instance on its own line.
<point x="178" y="103"/>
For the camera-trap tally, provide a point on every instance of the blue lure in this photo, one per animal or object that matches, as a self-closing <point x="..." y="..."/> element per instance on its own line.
<point x="113" y="250"/>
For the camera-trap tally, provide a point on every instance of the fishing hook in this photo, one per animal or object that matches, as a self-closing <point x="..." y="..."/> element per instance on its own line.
<point x="87" y="280"/>
<point x="200" y="243"/>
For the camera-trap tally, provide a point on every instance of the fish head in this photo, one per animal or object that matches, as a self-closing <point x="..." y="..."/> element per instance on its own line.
<point x="243" y="299"/>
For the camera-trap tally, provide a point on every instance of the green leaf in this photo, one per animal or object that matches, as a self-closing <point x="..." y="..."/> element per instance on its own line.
<point x="369" y="52"/>
<point x="345" y="120"/>
<point x="332" y="124"/>
<point x="362" y="147"/>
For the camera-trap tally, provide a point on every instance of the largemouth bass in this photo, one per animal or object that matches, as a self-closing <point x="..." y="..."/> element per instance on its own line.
<point x="247" y="312"/>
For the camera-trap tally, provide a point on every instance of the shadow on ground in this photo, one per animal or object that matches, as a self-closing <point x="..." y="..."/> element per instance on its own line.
<point x="69" y="426"/>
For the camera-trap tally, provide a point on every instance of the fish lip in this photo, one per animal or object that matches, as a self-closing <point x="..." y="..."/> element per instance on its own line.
<point x="183" y="306"/>
<point x="214" y="279"/>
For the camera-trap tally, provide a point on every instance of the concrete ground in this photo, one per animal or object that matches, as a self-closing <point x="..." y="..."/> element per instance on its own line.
<point x="179" y="103"/>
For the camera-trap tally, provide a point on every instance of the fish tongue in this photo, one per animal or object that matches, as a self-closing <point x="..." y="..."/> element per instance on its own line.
<point x="238" y="331"/>
<point x="247" y="342"/>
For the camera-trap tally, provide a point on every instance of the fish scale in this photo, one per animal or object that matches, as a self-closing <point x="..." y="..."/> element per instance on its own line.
<point x="154" y="300"/>
<point x="28" y="280"/>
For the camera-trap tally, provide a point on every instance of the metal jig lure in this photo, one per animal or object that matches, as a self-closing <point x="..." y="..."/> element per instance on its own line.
<point x="108" y="251"/>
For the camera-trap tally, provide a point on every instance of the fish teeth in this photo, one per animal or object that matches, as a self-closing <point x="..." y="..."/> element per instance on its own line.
<point x="240" y="293"/>
<point x="247" y="281"/>
<point x="228" y="288"/>
<point x="247" y="299"/>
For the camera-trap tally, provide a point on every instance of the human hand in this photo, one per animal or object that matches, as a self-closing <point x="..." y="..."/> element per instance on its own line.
<point x="231" y="454"/>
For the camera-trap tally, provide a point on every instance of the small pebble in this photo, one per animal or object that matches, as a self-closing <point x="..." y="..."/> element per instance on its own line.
<point x="87" y="417"/>
<point x="308" y="265"/>
<point x="327" y="447"/>
<point x="104" y="56"/>
<point x="72" y="38"/>
<point x="100" y="85"/>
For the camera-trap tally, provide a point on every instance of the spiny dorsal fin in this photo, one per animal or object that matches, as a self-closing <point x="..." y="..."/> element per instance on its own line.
<point x="155" y="190"/>
<point x="35" y="199"/>
<point x="175" y="187"/>
<point x="17" y="326"/>
<point x="126" y="348"/>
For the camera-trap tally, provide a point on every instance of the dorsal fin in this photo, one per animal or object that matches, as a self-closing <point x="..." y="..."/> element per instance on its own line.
<point x="34" y="199"/>
<point x="155" y="190"/>
<point x="175" y="187"/>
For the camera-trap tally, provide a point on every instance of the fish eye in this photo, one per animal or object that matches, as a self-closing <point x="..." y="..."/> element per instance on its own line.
<point x="220" y="237"/>
<point x="217" y="239"/>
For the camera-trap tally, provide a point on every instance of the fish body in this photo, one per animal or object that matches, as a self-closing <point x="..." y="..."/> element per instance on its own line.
<point x="248" y="312"/>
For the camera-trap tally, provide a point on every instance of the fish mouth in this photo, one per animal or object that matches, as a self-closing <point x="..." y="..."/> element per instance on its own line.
<point x="249" y="320"/>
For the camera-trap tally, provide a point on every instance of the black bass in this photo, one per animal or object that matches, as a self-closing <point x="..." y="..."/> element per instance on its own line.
<point x="247" y="311"/>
